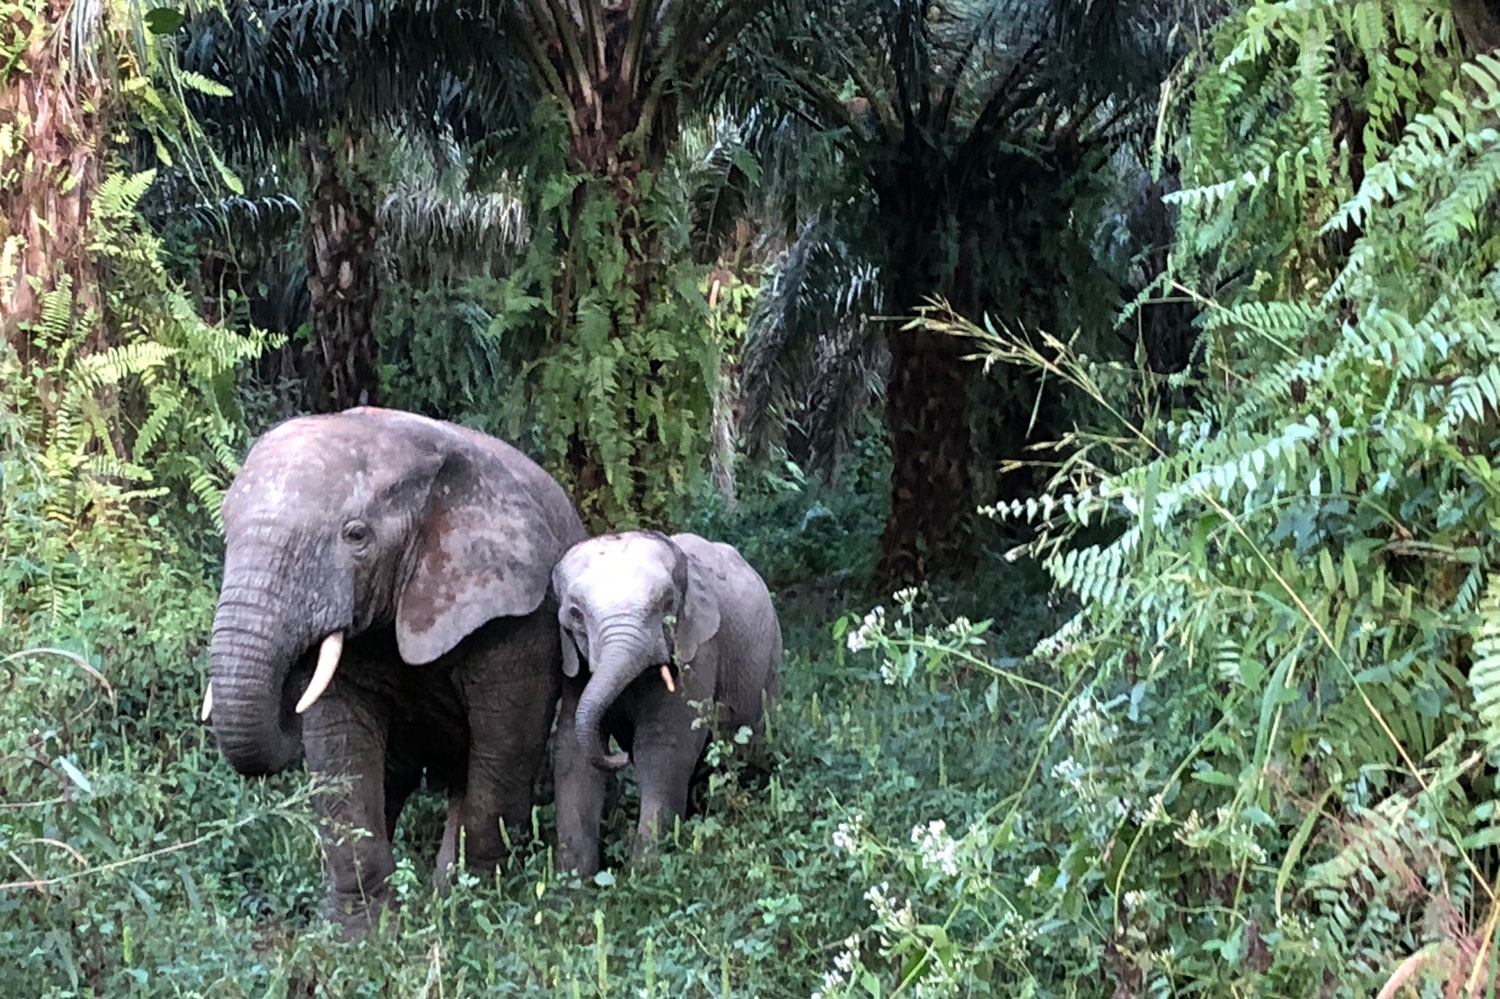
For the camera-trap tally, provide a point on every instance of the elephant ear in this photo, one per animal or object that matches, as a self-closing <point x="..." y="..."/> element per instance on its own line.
<point x="570" y="657"/>
<point x="484" y="550"/>
<point x="698" y="620"/>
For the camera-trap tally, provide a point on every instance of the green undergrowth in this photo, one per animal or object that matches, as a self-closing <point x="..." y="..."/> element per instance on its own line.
<point x="155" y="870"/>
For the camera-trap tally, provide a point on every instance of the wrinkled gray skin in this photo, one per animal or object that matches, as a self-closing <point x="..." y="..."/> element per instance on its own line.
<point x="614" y="594"/>
<point x="431" y="547"/>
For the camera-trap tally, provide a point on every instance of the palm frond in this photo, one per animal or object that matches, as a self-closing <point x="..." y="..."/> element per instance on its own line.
<point x="809" y="356"/>
<point x="295" y="66"/>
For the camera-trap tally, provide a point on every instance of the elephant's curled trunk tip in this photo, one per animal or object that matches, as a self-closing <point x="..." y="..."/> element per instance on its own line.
<point x="621" y="661"/>
<point x="610" y="762"/>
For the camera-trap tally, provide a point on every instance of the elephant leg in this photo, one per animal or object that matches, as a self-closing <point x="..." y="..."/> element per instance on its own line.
<point x="579" y="790"/>
<point x="666" y="751"/>
<point x="345" y="739"/>
<point x="511" y="694"/>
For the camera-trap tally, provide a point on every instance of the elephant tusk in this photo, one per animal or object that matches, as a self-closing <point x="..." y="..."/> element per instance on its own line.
<point x="666" y="678"/>
<point x="208" y="703"/>
<point x="328" y="661"/>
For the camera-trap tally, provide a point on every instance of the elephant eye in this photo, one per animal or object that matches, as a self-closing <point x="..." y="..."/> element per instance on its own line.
<point x="356" y="532"/>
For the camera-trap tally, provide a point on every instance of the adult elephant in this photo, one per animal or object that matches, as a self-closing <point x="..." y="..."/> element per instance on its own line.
<point x="386" y="609"/>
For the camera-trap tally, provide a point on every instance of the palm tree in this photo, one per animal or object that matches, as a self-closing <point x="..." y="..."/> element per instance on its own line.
<point x="319" y="77"/>
<point x="56" y="93"/>
<point x="608" y="304"/>
<point x="975" y="133"/>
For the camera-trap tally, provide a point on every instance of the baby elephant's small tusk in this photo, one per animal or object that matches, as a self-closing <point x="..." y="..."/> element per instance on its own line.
<point x="666" y="678"/>
<point x="208" y="703"/>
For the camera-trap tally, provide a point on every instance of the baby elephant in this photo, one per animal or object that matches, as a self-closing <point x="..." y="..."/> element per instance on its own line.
<point x="651" y="624"/>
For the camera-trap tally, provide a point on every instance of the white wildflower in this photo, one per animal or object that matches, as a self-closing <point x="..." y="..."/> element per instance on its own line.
<point x="1033" y="877"/>
<point x="1068" y="770"/>
<point x="1154" y="812"/>
<point x="938" y="849"/>
<point x="859" y="638"/>
<point x="846" y="836"/>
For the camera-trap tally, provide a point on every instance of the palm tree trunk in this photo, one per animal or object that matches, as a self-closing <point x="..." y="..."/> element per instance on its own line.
<point x="342" y="283"/>
<point x="926" y="414"/>
<point x="49" y="180"/>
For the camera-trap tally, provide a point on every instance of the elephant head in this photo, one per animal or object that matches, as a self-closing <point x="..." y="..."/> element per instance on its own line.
<point x="368" y="518"/>
<point x="628" y="603"/>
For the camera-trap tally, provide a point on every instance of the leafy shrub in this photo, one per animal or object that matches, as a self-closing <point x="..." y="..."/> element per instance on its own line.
<point x="797" y="529"/>
<point x="1270" y="771"/>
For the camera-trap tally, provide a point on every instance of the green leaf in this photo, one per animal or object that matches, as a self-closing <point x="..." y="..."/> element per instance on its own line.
<point x="1325" y="567"/>
<point x="1148" y="506"/>
<point x="1294" y="848"/>
<point x="75" y="775"/>
<point x="163" y="20"/>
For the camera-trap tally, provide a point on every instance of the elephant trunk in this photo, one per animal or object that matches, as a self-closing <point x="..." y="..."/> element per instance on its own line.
<point x="249" y="662"/>
<point x="622" y="656"/>
<point x="261" y="632"/>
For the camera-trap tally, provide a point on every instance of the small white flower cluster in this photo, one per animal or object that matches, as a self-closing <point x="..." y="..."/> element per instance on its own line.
<point x="944" y="984"/>
<point x="890" y="916"/>
<point x="846" y="836"/>
<point x="1088" y="721"/>
<point x="1191" y="831"/>
<point x="1241" y="841"/>
<point x="888" y="673"/>
<point x="859" y="638"/>
<point x="938" y="849"/>
<point x="1069" y="770"/>
<point x="842" y="972"/>
<point x="1016" y="934"/>
<point x="905" y="598"/>
<point x="1298" y="931"/>
<point x="960" y="626"/>
<point x="1165" y="957"/>
<point x="1154" y="812"/>
<point x="1236" y="835"/>
<point x="1033" y="877"/>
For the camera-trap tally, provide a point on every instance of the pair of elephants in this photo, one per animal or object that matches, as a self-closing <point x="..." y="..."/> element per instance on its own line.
<point x="406" y="598"/>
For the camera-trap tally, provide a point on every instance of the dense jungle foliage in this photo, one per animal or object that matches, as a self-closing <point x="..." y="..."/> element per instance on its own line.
<point x="1107" y="390"/>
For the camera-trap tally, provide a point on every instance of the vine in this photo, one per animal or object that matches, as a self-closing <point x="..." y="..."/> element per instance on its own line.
<point x="608" y="302"/>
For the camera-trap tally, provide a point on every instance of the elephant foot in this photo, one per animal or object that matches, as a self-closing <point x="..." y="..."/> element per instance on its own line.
<point x="357" y="915"/>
